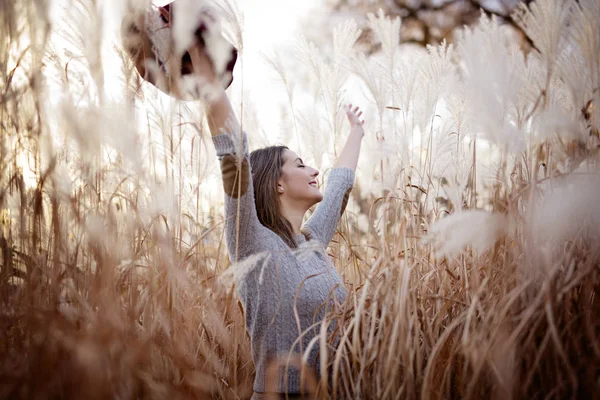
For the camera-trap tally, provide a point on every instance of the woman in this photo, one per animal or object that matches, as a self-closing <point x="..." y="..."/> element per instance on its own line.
<point x="267" y="194"/>
<point x="272" y="189"/>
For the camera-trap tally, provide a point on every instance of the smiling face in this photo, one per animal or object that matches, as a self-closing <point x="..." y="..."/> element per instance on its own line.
<point x="298" y="182"/>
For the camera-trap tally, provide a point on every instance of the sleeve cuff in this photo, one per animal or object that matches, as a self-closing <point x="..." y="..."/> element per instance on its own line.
<point x="228" y="143"/>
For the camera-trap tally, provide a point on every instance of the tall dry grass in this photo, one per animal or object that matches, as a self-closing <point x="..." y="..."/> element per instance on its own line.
<point x="469" y="247"/>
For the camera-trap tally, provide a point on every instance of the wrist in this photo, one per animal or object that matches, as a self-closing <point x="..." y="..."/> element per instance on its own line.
<point x="357" y="130"/>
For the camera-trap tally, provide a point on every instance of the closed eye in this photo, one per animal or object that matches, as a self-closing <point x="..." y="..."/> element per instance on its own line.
<point x="301" y="166"/>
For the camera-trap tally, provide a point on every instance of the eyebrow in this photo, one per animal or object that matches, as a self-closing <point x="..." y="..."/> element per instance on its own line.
<point x="299" y="159"/>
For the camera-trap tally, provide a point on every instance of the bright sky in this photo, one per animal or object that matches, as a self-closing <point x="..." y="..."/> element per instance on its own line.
<point x="270" y="25"/>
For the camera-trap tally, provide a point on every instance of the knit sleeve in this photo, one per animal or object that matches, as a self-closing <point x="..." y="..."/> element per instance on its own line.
<point x="242" y="225"/>
<point x="323" y="223"/>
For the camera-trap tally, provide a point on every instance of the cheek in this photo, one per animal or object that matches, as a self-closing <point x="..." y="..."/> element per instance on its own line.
<point x="296" y="181"/>
<point x="297" y="184"/>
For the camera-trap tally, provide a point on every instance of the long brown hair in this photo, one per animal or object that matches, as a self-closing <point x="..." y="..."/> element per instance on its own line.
<point x="266" y="164"/>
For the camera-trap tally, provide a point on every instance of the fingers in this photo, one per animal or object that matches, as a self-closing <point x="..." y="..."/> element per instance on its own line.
<point x="354" y="114"/>
<point x="348" y="108"/>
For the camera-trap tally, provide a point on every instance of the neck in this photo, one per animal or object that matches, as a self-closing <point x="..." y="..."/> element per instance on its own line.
<point x="294" y="214"/>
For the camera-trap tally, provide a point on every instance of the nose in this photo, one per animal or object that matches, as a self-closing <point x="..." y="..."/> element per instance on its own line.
<point x="315" y="173"/>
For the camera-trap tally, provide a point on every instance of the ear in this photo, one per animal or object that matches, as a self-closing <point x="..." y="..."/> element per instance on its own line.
<point x="279" y="188"/>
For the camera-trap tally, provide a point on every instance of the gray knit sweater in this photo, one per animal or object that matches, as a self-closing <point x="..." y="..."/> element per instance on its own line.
<point x="282" y="276"/>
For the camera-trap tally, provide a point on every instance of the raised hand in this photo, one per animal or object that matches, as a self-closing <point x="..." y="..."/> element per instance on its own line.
<point x="354" y="114"/>
<point x="349" y="156"/>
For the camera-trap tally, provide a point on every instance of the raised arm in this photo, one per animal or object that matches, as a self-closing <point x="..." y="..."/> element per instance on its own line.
<point x="220" y="115"/>
<point x="349" y="156"/>
<point x="242" y="224"/>
<point x="323" y="223"/>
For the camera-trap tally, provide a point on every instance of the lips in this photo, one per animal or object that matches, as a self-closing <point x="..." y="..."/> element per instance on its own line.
<point x="313" y="183"/>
